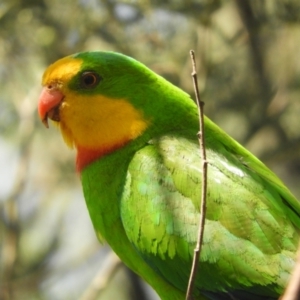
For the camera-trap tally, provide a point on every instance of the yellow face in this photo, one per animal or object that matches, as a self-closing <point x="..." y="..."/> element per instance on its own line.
<point x="61" y="71"/>
<point x="92" y="121"/>
<point x="99" y="122"/>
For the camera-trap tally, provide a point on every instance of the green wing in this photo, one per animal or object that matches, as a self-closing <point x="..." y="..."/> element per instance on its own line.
<point x="251" y="231"/>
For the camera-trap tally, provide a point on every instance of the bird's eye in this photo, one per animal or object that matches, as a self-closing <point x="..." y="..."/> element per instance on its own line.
<point x="89" y="79"/>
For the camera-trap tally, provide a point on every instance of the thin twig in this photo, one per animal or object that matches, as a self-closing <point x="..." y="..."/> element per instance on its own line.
<point x="292" y="291"/>
<point x="102" y="278"/>
<point x="201" y="139"/>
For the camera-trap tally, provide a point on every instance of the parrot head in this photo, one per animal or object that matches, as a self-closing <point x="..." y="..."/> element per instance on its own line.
<point x="103" y="100"/>
<point x="87" y="96"/>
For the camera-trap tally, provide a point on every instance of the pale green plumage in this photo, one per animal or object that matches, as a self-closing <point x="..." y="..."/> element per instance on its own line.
<point x="248" y="241"/>
<point x="245" y="239"/>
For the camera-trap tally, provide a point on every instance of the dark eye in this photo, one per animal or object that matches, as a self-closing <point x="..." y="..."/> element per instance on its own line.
<point x="89" y="79"/>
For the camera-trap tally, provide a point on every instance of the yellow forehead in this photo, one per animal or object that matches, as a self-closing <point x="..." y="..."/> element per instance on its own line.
<point x="62" y="70"/>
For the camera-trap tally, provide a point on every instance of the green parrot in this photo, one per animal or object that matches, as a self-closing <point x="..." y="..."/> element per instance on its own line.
<point x="138" y="156"/>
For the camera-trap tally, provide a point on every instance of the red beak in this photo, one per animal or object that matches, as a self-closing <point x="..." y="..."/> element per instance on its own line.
<point x="49" y="102"/>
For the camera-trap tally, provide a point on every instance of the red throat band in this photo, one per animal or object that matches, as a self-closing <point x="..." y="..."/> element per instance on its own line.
<point x="86" y="156"/>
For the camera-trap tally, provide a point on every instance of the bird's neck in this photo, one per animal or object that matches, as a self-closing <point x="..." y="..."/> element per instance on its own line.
<point x="86" y="156"/>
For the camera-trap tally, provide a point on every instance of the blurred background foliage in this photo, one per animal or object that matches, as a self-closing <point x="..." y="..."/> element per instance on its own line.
<point x="249" y="74"/>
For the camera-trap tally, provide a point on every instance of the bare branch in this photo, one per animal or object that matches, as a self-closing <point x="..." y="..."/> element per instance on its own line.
<point x="102" y="278"/>
<point x="292" y="291"/>
<point x="201" y="138"/>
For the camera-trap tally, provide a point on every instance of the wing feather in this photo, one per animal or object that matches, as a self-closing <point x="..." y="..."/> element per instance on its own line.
<point x="249" y="238"/>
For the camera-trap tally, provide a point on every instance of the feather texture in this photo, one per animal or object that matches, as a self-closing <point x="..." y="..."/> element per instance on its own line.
<point x="143" y="192"/>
